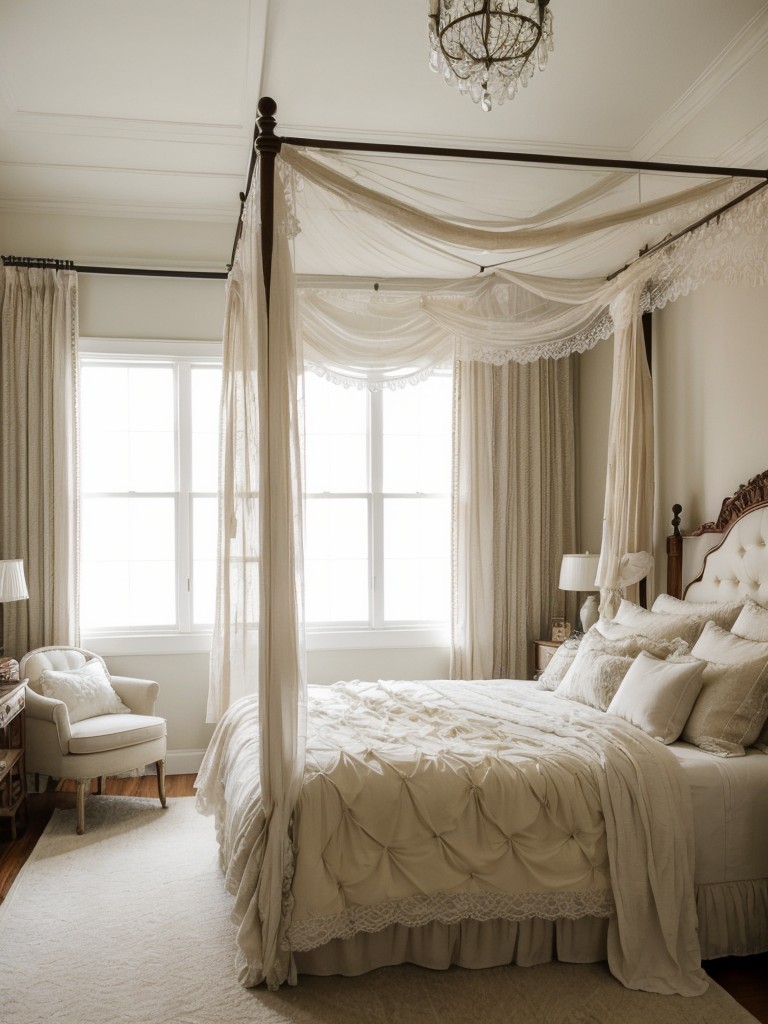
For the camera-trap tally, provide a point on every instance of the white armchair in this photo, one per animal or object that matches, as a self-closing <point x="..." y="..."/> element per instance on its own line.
<point x="97" y="746"/>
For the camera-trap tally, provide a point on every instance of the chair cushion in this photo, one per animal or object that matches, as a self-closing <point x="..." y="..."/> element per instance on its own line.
<point x="111" y="732"/>
<point x="86" y="691"/>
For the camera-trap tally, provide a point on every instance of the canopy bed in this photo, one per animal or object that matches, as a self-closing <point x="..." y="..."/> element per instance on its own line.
<point x="284" y="782"/>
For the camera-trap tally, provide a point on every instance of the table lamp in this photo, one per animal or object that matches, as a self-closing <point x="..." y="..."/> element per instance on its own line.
<point x="13" y="586"/>
<point x="577" y="573"/>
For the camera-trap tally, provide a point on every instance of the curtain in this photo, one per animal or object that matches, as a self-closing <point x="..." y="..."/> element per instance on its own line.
<point x="625" y="555"/>
<point x="514" y="510"/>
<point x="258" y="634"/>
<point x="38" y="475"/>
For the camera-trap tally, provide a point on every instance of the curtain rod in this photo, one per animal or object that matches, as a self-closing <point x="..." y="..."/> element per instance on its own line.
<point x="44" y="262"/>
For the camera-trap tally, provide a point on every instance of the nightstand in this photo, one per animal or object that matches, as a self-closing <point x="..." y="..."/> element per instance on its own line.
<point x="13" y="777"/>
<point x="542" y="654"/>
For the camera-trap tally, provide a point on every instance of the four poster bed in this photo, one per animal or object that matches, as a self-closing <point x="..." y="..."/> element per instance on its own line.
<point x="471" y="822"/>
<point x="485" y="823"/>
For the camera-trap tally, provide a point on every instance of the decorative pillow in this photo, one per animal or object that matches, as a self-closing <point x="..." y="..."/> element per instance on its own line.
<point x="559" y="664"/>
<point x="732" y="706"/>
<point x="659" y="625"/>
<point x="724" y="614"/>
<point x="657" y="696"/>
<point x="752" y="623"/>
<point x="601" y="664"/>
<point x="86" y="691"/>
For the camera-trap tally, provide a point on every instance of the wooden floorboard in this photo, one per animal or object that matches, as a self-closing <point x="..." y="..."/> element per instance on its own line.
<point x="746" y="978"/>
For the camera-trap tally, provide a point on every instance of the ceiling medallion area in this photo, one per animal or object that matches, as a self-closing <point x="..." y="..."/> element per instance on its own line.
<point x="488" y="48"/>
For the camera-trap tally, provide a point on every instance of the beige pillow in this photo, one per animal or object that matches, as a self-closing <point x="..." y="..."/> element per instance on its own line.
<point x="724" y="614"/>
<point x="732" y="706"/>
<point x="659" y="625"/>
<point x="601" y="664"/>
<point x="752" y="623"/>
<point x="86" y="691"/>
<point x="559" y="664"/>
<point x="657" y="696"/>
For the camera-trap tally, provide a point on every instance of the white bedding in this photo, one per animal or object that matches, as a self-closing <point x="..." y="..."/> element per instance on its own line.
<point x="517" y="805"/>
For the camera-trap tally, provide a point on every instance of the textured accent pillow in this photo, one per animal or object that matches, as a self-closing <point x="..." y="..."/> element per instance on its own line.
<point x="724" y="614"/>
<point x="657" y="696"/>
<point x="559" y="664"/>
<point x="732" y="707"/>
<point x="86" y="691"/>
<point x="601" y="664"/>
<point x="752" y="623"/>
<point x="659" y="625"/>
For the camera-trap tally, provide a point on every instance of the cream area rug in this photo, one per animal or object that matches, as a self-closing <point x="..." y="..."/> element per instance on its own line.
<point x="129" y="924"/>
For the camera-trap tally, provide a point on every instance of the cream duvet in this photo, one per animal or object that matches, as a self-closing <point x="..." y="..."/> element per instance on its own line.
<point x="443" y="801"/>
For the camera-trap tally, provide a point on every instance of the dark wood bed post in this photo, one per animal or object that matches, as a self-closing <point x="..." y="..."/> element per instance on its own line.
<point x="675" y="556"/>
<point x="267" y="147"/>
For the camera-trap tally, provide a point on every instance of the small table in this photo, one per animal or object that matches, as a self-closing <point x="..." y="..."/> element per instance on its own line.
<point x="542" y="654"/>
<point x="13" y="776"/>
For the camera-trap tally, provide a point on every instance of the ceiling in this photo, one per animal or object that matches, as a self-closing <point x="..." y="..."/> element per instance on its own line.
<point x="125" y="128"/>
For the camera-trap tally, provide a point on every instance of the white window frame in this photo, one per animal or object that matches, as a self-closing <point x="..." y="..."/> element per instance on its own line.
<point x="182" y="355"/>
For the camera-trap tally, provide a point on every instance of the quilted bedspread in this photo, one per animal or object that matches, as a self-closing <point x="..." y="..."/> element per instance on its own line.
<point x="440" y="801"/>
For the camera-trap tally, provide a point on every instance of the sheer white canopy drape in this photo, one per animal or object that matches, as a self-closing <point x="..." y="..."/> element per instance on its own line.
<point x="38" y="475"/>
<point x="374" y="340"/>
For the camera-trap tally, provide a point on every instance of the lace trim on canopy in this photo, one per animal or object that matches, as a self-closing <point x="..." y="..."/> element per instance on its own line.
<point x="450" y="908"/>
<point x="390" y="384"/>
<point x="600" y="330"/>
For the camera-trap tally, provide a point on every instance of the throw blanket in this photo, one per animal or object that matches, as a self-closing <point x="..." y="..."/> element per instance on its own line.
<point x="439" y="801"/>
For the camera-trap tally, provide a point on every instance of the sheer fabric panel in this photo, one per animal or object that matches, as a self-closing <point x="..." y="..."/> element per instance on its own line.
<point x="39" y="479"/>
<point x="514" y="510"/>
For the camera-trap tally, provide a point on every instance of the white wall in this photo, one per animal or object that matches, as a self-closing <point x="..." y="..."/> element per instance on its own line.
<point x="710" y="365"/>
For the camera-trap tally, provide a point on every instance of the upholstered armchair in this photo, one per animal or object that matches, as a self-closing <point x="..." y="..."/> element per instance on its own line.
<point x="91" y="724"/>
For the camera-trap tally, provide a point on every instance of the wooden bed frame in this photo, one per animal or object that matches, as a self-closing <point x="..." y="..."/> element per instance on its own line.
<point x="746" y="499"/>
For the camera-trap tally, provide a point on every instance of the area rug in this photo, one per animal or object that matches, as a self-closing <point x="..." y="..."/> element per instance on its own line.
<point x="129" y="924"/>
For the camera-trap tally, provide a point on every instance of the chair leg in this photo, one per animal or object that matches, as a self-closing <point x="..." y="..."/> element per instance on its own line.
<point x="81" y="784"/>
<point x="100" y="784"/>
<point x="160" y="768"/>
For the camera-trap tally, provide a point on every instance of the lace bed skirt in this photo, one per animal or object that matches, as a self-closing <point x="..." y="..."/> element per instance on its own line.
<point x="733" y="921"/>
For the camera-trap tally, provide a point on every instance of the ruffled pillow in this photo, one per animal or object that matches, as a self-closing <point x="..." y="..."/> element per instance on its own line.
<point x="601" y="664"/>
<point x="724" y="614"/>
<point x="732" y="707"/>
<point x="659" y="625"/>
<point x="86" y="691"/>
<point x="559" y="664"/>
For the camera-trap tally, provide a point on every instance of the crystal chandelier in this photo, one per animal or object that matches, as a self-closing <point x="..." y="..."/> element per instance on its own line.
<point x="488" y="47"/>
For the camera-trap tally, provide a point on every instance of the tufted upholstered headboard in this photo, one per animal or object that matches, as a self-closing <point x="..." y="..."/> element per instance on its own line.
<point x="731" y="552"/>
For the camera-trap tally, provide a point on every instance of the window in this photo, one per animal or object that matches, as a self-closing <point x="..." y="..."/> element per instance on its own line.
<point x="377" y="523"/>
<point x="148" y="457"/>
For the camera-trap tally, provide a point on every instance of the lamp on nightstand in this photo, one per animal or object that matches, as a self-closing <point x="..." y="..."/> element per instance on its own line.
<point x="577" y="573"/>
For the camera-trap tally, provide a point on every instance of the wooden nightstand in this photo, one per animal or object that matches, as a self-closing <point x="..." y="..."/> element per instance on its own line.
<point x="13" y="777"/>
<point x="542" y="654"/>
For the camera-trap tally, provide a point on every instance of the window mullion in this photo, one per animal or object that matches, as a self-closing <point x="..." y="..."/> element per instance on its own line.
<point x="376" y="512"/>
<point x="183" y="497"/>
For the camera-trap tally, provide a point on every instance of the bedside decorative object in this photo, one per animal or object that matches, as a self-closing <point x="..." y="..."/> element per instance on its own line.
<point x="561" y="630"/>
<point x="577" y="573"/>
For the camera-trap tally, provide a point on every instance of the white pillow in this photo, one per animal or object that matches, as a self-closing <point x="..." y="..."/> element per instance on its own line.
<point x="86" y="691"/>
<point x="559" y="664"/>
<point x="601" y="664"/>
<point x="732" y="706"/>
<point x="752" y="623"/>
<point x="724" y="614"/>
<point x="657" y="696"/>
<point x="659" y="625"/>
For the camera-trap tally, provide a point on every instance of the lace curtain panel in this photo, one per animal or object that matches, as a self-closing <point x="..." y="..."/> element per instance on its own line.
<point x="39" y="478"/>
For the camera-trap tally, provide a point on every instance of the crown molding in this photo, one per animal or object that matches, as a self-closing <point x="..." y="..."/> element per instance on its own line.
<point x="745" y="47"/>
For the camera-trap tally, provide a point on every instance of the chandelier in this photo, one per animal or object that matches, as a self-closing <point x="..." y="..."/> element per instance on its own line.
<point x="488" y="47"/>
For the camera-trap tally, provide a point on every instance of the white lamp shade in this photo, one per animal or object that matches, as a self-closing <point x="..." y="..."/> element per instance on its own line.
<point x="578" y="572"/>
<point x="13" y="586"/>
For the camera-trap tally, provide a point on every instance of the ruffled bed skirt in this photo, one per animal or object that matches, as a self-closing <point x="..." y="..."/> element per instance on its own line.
<point x="733" y="921"/>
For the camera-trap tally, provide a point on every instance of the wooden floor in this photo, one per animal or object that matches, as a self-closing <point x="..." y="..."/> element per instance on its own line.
<point x="746" y="978"/>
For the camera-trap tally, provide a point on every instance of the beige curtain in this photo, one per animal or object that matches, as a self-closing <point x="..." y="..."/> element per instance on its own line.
<point x="38" y="474"/>
<point x="514" y="511"/>
<point x="258" y="638"/>
<point x="625" y="555"/>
